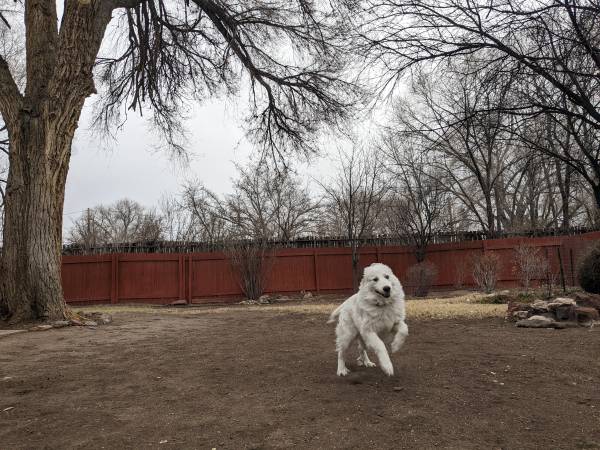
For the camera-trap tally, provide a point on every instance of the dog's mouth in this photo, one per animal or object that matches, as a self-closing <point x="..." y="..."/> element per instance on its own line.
<point x="385" y="294"/>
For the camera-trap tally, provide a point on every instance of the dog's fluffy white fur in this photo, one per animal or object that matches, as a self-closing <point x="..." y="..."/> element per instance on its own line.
<point x="372" y="317"/>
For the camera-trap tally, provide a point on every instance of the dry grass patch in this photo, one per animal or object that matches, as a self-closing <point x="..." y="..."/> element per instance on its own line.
<point x="433" y="308"/>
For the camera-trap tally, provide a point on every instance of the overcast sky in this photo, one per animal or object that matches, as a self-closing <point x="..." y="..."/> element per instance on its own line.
<point x="132" y="166"/>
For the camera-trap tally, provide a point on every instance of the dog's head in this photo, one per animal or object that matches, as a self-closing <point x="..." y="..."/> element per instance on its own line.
<point x="380" y="285"/>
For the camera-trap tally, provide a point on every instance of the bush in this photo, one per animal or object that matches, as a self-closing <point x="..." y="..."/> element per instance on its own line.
<point x="589" y="270"/>
<point x="420" y="277"/>
<point x="529" y="264"/>
<point x="486" y="268"/>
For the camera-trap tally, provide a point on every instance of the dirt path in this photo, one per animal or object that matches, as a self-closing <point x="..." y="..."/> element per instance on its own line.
<point x="244" y="379"/>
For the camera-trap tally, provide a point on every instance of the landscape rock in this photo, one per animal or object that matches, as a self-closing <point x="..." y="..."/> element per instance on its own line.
<point x="61" y="324"/>
<point x="516" y="311"/>
<point x="249" y="302"/>
<point x="178" y="303"/>
<point x="539" y="307"/>
<point x="588" y="300"/>
<point x="90" y="323"/>
<point x="264" y="299"/>
<point x="307" y="295"/>
<point x="520" y="315"/>
<point x="537" y="322"/>
<point x="585" y="316"/>
<point x="563" y="312"/>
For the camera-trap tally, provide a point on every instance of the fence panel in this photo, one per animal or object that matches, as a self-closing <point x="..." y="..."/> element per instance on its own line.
<point x="206" y="277"/>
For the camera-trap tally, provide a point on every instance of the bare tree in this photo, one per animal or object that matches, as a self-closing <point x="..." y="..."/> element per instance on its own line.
<point x="550" y="49"/>
<point x="418" y="202"/>
<point x="472" y="149"/>
<point x="163" y="53"/>
<point x="123" y="222"/>
<point x="353" y="198"/>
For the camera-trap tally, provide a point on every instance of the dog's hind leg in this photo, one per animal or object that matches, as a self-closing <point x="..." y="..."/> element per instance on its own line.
<point x="363" y="357"/>
<point x="344" y="339"/>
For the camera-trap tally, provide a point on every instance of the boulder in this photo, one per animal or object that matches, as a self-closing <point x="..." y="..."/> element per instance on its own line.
<point x="539" y="307"/>
<point x="517" y="311"/>
<point x="564" y="312"/>
<point x="520" y="315"/>
<point x="585" y="316"/>
<point x="537" y="322"/>
<point x="588" y="300"/>
<point x="559" y="302"/>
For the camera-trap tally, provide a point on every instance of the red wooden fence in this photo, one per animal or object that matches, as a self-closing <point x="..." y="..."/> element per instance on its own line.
<point x="208" y="277"/>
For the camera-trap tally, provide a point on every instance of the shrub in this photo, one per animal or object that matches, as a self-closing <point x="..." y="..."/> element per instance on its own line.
<point x="251" y="262"/>
<point x="485" y="271"/>
<point x="420" y="277"/>
<point x="529" y="264"/>
<point x="589" y="270"/>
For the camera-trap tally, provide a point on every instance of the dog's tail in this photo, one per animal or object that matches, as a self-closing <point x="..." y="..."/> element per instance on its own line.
<point x="335" y="314"/>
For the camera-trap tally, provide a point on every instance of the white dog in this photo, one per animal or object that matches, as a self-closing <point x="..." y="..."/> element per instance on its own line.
<point x="374" y="313"/>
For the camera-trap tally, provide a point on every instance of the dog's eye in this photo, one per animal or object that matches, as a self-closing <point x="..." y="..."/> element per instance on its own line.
<point x="387" y="277"/>
<point x="375" y="279"/>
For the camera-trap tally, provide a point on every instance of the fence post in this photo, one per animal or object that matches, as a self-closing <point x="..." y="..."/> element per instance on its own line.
<point x="181" y="273"/>
<point x="114" y="265"/>
<point x="189" y="279"/>
<point x="562" y="270"/>
<point x="316" y="265"/>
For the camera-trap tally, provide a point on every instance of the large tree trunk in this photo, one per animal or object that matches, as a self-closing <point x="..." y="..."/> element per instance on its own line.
<point x="41" y="124"/>
<point x="31" y="260"/>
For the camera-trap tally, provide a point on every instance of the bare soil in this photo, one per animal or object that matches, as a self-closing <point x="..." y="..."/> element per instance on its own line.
<point x="266" y="379"/>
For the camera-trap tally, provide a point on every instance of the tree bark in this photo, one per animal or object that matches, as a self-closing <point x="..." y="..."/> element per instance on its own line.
<point x="31" y="259"/>
<point x="41" y="125"/>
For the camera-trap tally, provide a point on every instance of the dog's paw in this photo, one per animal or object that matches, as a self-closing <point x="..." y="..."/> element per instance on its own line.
<point x="343" y="372"/>
<point x="388" y="370"/>
<point x="370" y="364"/>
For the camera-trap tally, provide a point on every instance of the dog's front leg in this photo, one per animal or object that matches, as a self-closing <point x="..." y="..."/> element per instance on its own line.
<point x="400" y="336"/>
<point x="375" y="344"/>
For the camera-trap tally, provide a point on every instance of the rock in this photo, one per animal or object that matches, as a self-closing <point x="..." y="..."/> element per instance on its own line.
<point x="105" y="319"/>
<point x="249" y="302"/>
<point x="98" y="317"/>
<point x="561" y="301"/>
<point x="537" y="322"/>
<point x="307" y="295"/>
<point x="61" y="324"/>
<point x="76" y="322"/>
<point x="585" y="316"/>
<point x="515" y="311"/>
<point x="539" y="307"/>
<point x="90" y="323"/>
<point x="264" y="299"/>
<point x="178" y="303"/>
<point x="588" y="300"/>
<point x="520" y="315"/>
<point x="41" y="328"/>
<point x="563" y="312"/>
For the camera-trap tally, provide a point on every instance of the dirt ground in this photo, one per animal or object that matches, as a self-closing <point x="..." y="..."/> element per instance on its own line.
<point x="251" y="378"/>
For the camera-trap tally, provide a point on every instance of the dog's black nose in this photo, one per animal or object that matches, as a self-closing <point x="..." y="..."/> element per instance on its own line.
<point x="386" y="289"/>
